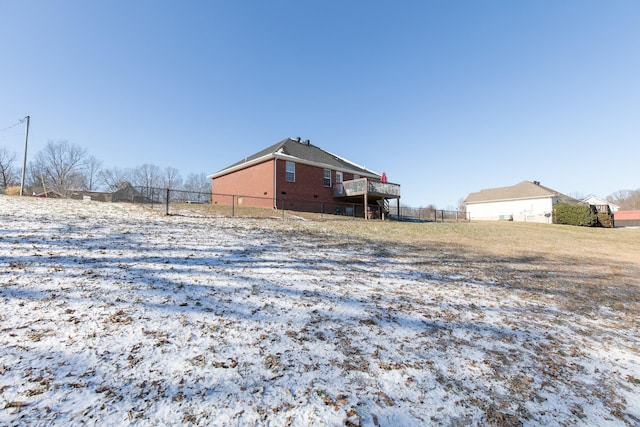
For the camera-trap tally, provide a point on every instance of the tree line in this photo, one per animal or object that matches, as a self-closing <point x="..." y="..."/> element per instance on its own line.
<point x="65" y="167"/>
<point x="628" y="200"/>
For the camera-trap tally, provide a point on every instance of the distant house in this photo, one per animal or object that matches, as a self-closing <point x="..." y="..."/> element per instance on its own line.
<point x="98" y="196"/>
<point x="527" y="201"/>
<point x="627" y="218"/>
<point x="127" y="193"/>
<point x="597" y="201"/>
<point x="39" y="191"/>
<point x="296" y="175"/>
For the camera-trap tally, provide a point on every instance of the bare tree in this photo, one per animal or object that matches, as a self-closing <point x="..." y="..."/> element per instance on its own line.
<point x="92" y="173"/>
<point x="61" y="166"/>
<point x="8" y="174"/>
<point x="626" y="199"/>
<point x="171" y="178"/>
<point x="34" y="175"/>
<point x="198" y="182"/>
<point x="116" y="178"/>
<point x="147" y="175"/>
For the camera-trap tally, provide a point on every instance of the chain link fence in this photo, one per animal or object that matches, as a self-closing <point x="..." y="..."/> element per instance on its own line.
<point x="192" y="203"/>
<point x="430" y="214"/>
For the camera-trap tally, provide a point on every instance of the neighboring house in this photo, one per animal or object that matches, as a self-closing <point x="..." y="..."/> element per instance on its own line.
<point x="527" y="201"/>
<point x="627" y="218"/>
<point x="296" y="175"/>
<point x="125" y="194"/>
<point x="98" y="196"/>
<point x="128" y="194"/>
<point x="597" y="201"/>
<point x="39" y="191"/>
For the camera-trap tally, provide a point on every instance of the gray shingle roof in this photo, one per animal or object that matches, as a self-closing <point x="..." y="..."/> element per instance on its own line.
<point x="523" y="190"/>
<point x="306" y="152"/>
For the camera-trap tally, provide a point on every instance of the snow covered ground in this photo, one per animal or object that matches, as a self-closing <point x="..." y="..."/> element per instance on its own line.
<point x="113" y="315"/>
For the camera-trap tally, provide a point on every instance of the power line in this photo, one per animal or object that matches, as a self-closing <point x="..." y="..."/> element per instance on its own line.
<point x="12" y="126"/>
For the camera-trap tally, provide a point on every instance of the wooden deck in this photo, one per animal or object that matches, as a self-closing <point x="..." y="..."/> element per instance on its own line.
<point x="366" y="190"/>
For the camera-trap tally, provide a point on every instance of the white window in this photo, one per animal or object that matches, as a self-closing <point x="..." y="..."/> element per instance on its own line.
<point x="291" y="172"/>
<point x="327" y="177"/>
<point x="338" y="177"/>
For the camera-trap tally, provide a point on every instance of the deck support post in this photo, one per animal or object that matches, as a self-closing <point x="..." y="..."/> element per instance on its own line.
<point x="366" y="206"/>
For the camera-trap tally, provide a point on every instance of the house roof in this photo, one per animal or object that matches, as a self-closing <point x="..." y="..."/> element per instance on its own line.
<point x="523" y="190"/>
<point x="299" y="151"/>
<point x="595" y="200"/>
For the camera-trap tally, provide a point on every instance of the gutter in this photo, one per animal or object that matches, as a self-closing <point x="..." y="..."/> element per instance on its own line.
<point x="368" y="174"/>
<point x="240" y="166"/>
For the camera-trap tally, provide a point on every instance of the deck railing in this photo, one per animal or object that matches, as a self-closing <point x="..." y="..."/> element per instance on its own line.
<point x="359" y="187"/>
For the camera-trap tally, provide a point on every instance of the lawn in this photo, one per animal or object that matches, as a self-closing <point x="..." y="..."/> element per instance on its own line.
<point x="114" y="315"/>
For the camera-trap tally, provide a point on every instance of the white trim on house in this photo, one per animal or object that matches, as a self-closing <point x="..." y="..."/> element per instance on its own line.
<point x="286" y="157"/>
<point x="595" y="200"/>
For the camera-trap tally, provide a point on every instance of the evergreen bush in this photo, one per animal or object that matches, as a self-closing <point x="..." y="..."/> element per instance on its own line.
<point x="574" y="214"/>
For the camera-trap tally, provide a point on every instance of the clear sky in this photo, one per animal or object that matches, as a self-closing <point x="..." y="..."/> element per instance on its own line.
<point x="446" y="97"/>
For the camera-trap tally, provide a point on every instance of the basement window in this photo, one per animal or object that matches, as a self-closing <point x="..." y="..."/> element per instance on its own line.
<point x="290" y="172"/>
<point x="327" y="177"/>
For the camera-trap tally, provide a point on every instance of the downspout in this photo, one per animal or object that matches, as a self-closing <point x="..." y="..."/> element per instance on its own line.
<point x="275" y="182"/>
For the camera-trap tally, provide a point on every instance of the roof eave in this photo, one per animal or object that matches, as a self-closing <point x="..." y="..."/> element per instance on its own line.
<point x="363" y="172"/>
<point x="548" y="196"/>
<point x="283" y="156"/>
<point x="241" y="166"/>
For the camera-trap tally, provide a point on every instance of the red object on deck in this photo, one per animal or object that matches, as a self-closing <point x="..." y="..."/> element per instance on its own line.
<point x="383" y="178"/>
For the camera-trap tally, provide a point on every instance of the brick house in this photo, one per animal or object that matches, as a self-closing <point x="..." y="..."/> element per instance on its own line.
<point x="296" y="175"/>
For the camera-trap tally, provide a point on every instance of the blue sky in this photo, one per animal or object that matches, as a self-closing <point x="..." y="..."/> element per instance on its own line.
<point x="446" y="97"/>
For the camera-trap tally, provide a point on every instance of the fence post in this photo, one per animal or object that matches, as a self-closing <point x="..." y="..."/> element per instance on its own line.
<point x="167" y="202"/>
<point x="284" y="202"/>
<point x="233" y="205"/>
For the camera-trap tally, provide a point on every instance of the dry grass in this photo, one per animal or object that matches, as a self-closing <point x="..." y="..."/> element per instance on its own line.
<point x="508" y="322"/>
<point x="587" y="268"/>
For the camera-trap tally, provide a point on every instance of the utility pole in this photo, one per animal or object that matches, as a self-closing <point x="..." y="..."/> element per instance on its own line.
<point x="24" y="163"/>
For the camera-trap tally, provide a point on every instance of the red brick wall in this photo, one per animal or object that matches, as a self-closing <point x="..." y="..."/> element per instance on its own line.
<point x="254" y="185"/>
<point x="308" y="192"/>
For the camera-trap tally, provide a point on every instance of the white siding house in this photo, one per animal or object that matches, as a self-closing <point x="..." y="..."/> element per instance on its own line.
<point x="597" y="201"/>
<point x="526" y="201"/>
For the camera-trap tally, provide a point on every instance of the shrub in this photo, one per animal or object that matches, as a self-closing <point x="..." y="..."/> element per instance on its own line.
<point x="605" y="220"/>
<point x="574" y="214"/>
<point x="12" y="190"/>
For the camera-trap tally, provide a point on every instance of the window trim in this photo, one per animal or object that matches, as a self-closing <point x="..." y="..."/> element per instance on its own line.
<point x="290" y="170"/>
<point x="327" y="179"/>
